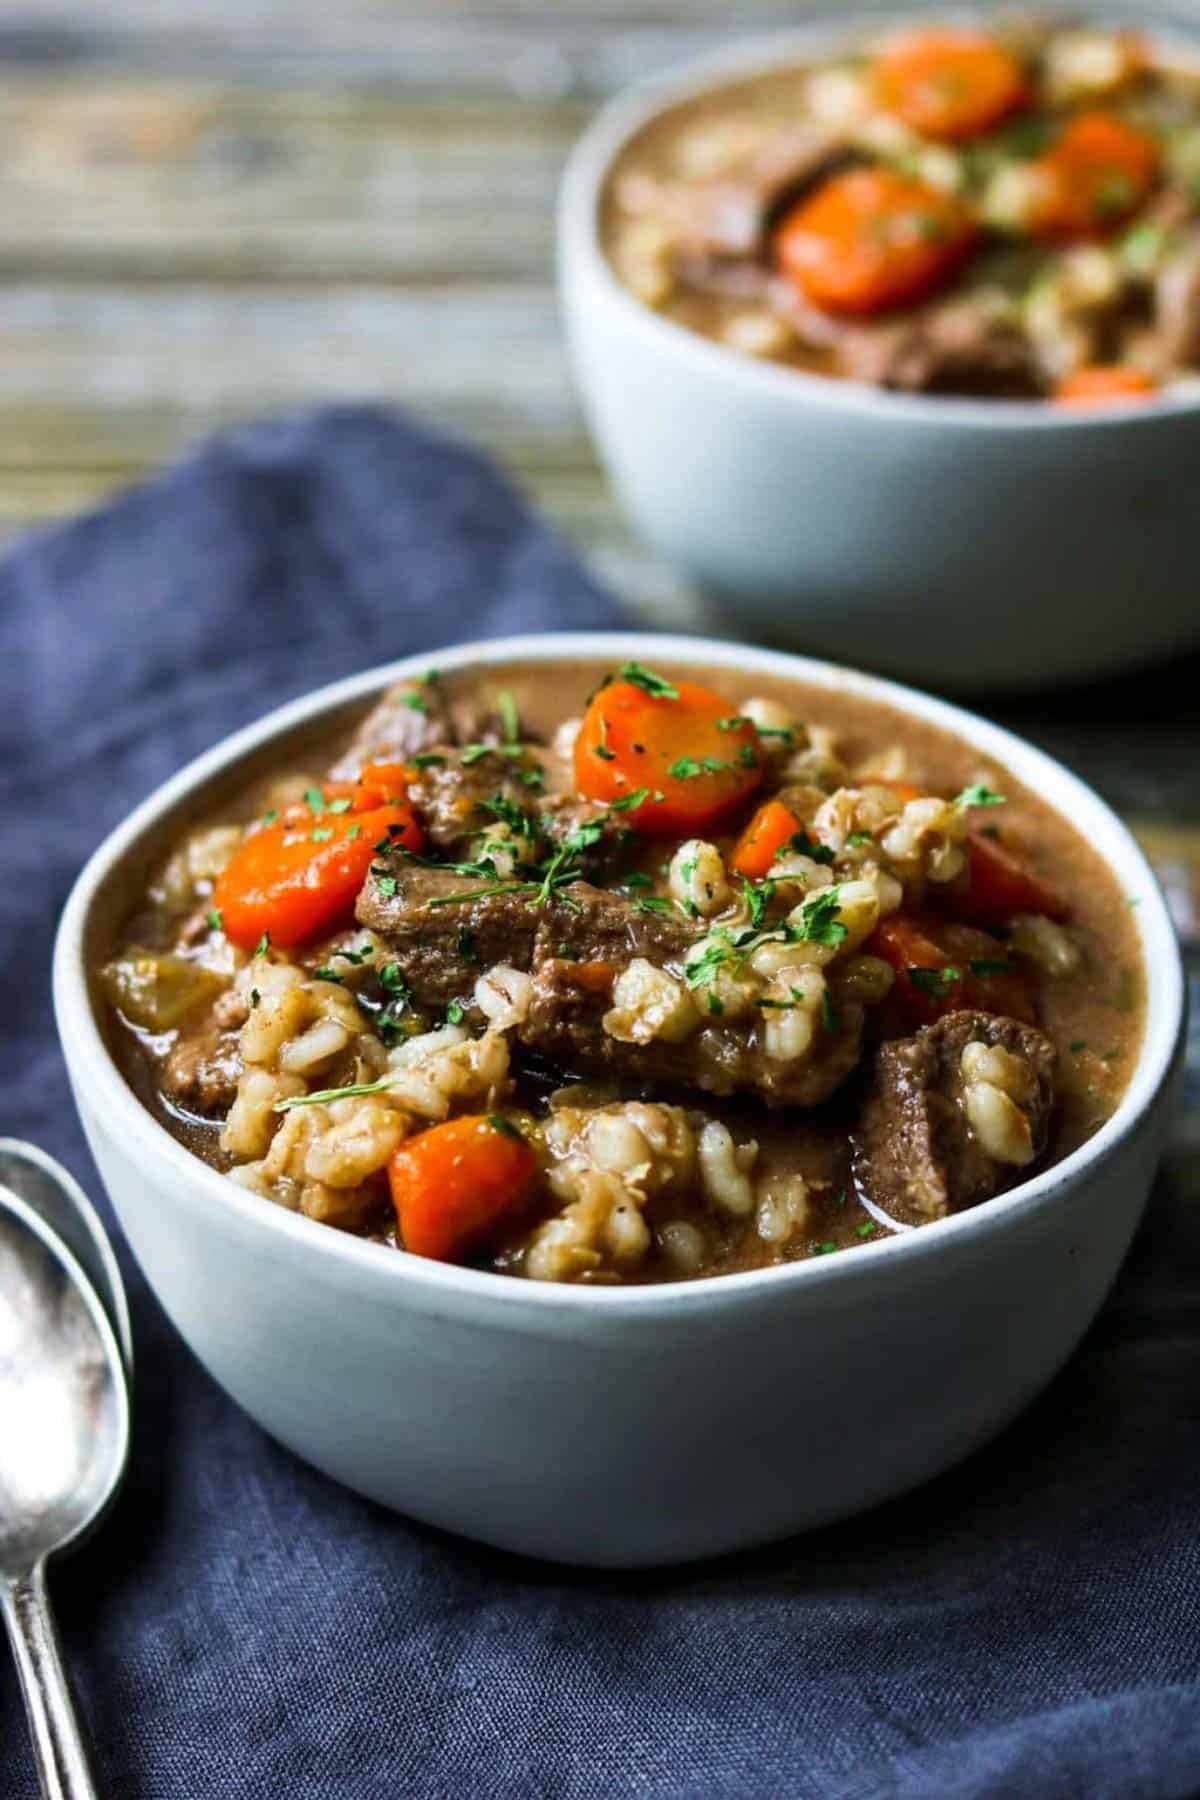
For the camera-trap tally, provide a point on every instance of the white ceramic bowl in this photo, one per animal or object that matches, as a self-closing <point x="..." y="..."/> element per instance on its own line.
<point x="618" y="1426"/>
<point x="979" y="544"/>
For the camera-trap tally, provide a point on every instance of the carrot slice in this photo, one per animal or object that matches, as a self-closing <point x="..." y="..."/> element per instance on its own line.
<point x="454" y="1184"/>
<point x="950" y="85"/>
<point x="942" y="967"/>
<point x="674" y="753"/>
<point x="1096" y="174"/>
<point x="999" y="885"/>
<point x="296" y="879"/>
<point x="873" y="239"/>
<point x="772" y="826"/>
<point x="1105" y="384"/>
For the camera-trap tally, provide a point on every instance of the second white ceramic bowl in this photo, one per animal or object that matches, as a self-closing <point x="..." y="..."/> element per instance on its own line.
<point x="617" y="1426"/>
<point x="977" y="544"/>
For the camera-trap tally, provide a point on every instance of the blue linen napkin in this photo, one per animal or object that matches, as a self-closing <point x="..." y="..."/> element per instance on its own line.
<point x="242" y="1628"/>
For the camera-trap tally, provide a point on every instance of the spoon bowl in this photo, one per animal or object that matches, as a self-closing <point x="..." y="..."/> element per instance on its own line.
<point x="58" y="1199"/>
<point x="64" y="1439"/>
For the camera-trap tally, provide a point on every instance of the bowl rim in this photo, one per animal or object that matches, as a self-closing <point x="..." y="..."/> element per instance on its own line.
<point x="93" y="1067"/>
<point x="582" y="257"/>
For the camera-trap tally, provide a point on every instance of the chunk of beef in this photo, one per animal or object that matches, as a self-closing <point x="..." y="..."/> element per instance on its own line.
<point x="964" y="346"/>
<point x="565" y="1026"/>
<point x="445" y="929"/>
<point x="440" y="940"/>
<point x="412" y="717"/>
<point x="916" y="1154"/>
<point x="456" y="800"/>
<point x="732" y="215"/>
<point x="201" y="1072"/>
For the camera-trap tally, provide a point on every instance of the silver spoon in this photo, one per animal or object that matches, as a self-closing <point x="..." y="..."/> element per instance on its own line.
<point x="64" y="1437"/>
<point x="58" y="1199"/>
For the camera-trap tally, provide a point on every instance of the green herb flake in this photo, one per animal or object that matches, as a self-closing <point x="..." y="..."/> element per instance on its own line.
<point x="638" y="880"/>
<point x="807" y="846"/>
<point x="825" y="1249"/>
<point x="355" y="831"/>
<point x="323" y="1096"/>
<point x="631" y="802"/>
<point x="416" y="703"/>
<point x="654" y="903"/>
<point x="387" y="885"/>
<point x="429" y="677"/>
<point x="314" y="799"/>
<point x="839" y="1199"/>
<point x="341" y="805"/>
<point x="858" y="839"/>
<point x="213" y="919"/>
<point x="648" y="681"/>
<point x="322" y="834"/>
<point x="864" y="1230"/>
<point x="263" y="944"/>
<point x="735" y="722"/>
<point x="747" y="757"/>
<point x="510" y="718"/>
<point x="937" y="983"/>
<point x="271" y="817"/>
<point x="758" y="898"/>
<point x="504" y="1126"/>
<point x="978" y="795"/>
<point x="456" y="1012"/>
<point x="428" y="759"/>
<point x="819" y="920"/>
<point x="716" y="1005"/>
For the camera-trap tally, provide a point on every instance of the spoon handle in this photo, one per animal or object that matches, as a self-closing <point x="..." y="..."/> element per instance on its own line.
<point x="58" y="1748"/>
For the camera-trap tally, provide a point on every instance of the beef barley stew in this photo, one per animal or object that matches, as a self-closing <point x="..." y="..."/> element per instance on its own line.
<point x="634" y="975"/>
<point x="1012" y="213"/>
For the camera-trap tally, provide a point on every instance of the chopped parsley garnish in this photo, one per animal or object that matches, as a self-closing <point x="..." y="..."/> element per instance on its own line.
<point x="213" y="918"/>
<point x="819" y="920"/>
<point x="415" y="703"/>
<point x="387" y="885"/>
<point x="429" y="677"/>
<point x="269" y="818"/>
<point x="978" y="795"/>
<point x="391" y="977"/>
<point x="839" y="1199"/>
<point x="734" y="723"/>
<point x="341" y="805"/>
<point x="857" y="839"/>
<point x="456" y="1012"/>
<point x="521" y="824"/>
<point x="428" y="759"/>
<point x="786" y="732"/>
<point x="533" y="778"/>
<point x="937" y="983"/>
<point x="510" y="719"/>
<point x="825" y="1249"/>
<point x="324" y="1095"/>
<point x="638" y="880"/>
<point x="654" y="903"/>
<point x="864" y="1230"/>
<point x="631" y="802"/>
<point x="263" y="944"/>
<point x="355" y="831"/>
<point x="715" y="1004"/>
<point x="314" y="799"/>
<point x="504" y="1126"/>
<point x="807" y="846"/>
<point x="757" y="899"/>
<point x="987" y="966"/>
<point x="322" y="834"/>
<point x="746" y="756"/>
<point x="648" y="681"/>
